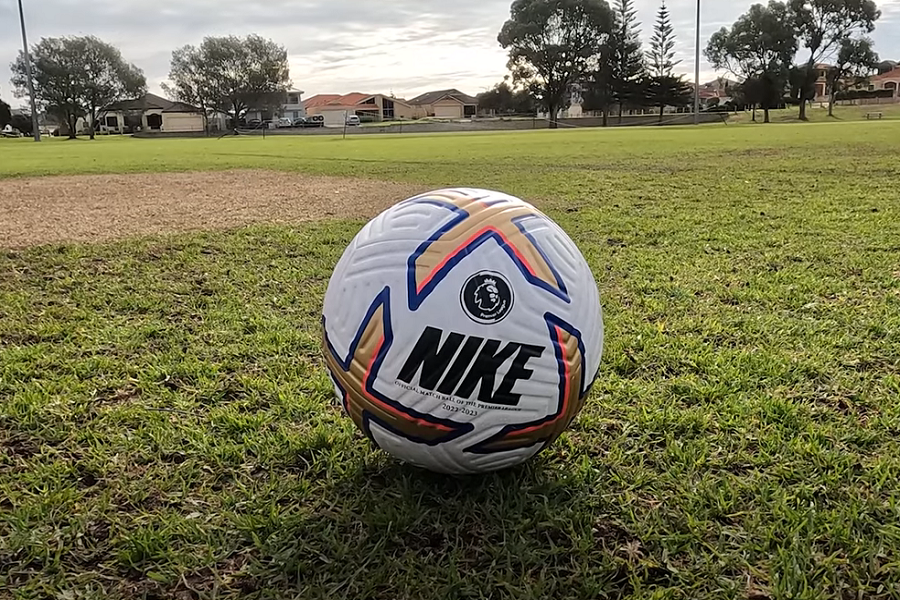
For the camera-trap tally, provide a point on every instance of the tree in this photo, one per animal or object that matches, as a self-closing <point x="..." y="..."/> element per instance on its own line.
<point x="823" y="25"/>
<point x="504" y="99"/>
<point x="552" y="44"/>
<point x="661" y="57"/>
<point x="664" y="88"/>
<point x="58" y="80"/>
<point x="759" y="49"/>
<point x="669" y="90"/>
<point x="856" y="60"/>
<point x="190" y="82"/>
<point x="599" y="94"/>
<point x="108" y="78"/>
<point x="76" y="77"/>
<point x="23" y="123"/>
<point x="5" y="114"/>
<point x="627" y="69"/>
<point x="231" y="74"/>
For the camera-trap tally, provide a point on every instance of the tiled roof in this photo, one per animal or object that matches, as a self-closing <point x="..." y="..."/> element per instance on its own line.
<point x="320" y="100"/>
<point x="152" y="102"/>
<point x="432" y="97"/>
<point x="351" y="99"/>
<point x="895" y="74"/>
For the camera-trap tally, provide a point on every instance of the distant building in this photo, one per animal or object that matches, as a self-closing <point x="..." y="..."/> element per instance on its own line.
<point x="888" y="80"/>
<point x="822" y="87"/>
<point x="150" y="113"/>
<point x="445" y="104"/>
<point x="292" y="108"/>
<point x="335" y="108"/>
<point x="718" y="92"/>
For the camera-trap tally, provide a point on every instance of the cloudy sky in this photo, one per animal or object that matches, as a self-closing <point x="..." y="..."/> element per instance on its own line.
<point x="339" y="46"/>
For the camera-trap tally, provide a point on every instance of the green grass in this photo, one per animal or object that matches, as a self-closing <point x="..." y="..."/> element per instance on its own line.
<point x="167" y="429"/>
<point x="819" y="114"/>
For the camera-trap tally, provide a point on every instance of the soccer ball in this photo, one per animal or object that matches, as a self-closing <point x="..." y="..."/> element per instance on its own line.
<point x="462" y="330"/>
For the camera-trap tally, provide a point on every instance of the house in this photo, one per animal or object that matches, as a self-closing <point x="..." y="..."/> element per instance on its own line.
<point x="150" y="113"/>
<point x="291" y="109"/>
<point x="368" y="107"/>
<point x="889" y="80"/>
<point x="718" y="92"/>
<point x="445" y="104"/>
<point x="822" y="86"/>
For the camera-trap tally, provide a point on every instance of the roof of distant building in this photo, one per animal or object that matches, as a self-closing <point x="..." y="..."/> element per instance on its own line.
<point x="152" y="102"/>
<point x="432" y="97"/>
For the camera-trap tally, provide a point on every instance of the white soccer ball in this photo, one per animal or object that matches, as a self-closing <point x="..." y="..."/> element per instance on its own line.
<point x="463" y="330"/>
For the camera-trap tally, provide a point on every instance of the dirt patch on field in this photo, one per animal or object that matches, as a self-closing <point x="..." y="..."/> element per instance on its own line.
<point x="88" y="208"/>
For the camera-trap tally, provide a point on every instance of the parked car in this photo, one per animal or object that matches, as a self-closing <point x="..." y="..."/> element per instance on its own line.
<point x="307" y="122"/>
<point x="283" y="123"/>
<point x="353" y="121"/>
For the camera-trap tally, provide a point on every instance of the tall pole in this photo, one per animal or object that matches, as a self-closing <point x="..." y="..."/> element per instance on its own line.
<point x="34" y="116"/>
<point x="696" y="71"/>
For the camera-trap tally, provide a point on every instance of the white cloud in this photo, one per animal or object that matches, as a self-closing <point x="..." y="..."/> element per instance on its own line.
<point x="338" y="46"/>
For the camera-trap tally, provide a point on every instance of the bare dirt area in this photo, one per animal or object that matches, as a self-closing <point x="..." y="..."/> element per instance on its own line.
<point x="93" y="208"/>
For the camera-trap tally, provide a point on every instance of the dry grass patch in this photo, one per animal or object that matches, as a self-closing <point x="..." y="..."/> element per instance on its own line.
<point x="91" y="208"/>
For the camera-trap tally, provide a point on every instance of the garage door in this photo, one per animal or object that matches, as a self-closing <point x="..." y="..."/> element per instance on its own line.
<point x="451" y="111"/>
<point x="182" y="122"/>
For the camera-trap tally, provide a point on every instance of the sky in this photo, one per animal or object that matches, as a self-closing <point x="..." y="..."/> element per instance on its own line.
<point x="405" y="47"/>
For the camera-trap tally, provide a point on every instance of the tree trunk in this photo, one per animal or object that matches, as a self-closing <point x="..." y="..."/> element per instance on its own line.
<point x="766" y="111"/>
<point x="662" y="109"/>
<point x="831" y="102"/>
<point x="554" y="117"/>
<point x="620" y="112"/>
<point x="754" y="113"/>
<point x="73" y="122"/>
<point x="91" y="123"/>
<point x="606" y="116"/>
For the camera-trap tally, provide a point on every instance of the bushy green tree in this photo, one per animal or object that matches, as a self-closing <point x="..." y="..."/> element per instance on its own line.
<point x="552" y="45"/>
<point x="822" y="26"/>
<point x="231" y="74"/>
<point x="759" y="49"/>
<point x="77" y="77"/>
<point x="855" y="62"/>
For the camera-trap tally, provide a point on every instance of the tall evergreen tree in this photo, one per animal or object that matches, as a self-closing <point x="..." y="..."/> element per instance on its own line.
<point x="665" y="88"/>
<point x="627" y="68"/>
<point x="661" y="57"/>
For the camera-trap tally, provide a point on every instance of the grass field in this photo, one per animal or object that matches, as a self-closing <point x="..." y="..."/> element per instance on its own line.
<point x="167" y="429"/>
<point x="819" y="114"/>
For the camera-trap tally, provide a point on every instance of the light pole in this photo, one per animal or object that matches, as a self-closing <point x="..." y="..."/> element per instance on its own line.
<point x="34" y="116"/>
<point x="34" y="120"/>
<point x="696" y="71"/>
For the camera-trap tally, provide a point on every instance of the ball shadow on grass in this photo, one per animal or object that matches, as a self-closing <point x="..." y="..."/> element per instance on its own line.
<point x="391" y="530"/>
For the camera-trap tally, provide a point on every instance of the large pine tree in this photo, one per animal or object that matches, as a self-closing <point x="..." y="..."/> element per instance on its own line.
<point x="665" y="89"/>
<point x="661" y="57"/>
<point x="627" y="70"/>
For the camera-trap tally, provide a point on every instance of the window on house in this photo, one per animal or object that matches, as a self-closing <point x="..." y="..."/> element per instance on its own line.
<point x="112" y="122"/>
<point x="292" y="99"/>
<point x="890" y="85"/>
<point x="388" y="110"/>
